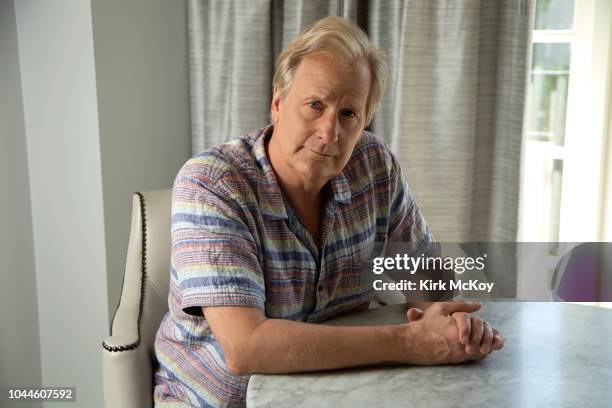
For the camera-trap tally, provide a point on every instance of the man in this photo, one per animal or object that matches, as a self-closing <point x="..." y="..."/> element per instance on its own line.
<point x="269" y="232"/>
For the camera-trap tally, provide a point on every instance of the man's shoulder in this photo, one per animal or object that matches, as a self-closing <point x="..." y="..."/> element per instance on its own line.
<point x="369" y="140"/>
<point x="371" y="154"/>
<point x="235" y="155"/>
<point x="230" y="160"/>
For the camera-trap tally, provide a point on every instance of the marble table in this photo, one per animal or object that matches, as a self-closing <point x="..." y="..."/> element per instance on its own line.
<point x="556" y="355"/>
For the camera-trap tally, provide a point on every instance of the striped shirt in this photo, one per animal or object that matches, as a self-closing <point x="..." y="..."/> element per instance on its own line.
<point x="236" y="241"/>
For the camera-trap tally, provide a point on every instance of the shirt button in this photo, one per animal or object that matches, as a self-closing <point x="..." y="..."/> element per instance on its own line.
<point x="320" y="288"/>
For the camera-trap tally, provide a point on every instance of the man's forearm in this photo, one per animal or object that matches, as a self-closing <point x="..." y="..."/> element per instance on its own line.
<point x="282" y="346"/>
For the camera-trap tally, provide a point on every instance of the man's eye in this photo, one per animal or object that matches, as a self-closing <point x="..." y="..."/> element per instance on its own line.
<point x="315" y="105"/>
<point x="349" y="114"/>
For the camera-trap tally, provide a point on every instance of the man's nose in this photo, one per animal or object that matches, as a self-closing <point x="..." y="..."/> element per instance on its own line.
<point x="329" y="129"/>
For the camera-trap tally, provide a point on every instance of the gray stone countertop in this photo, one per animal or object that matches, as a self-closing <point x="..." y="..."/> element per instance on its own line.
<point x="556" y="355"/>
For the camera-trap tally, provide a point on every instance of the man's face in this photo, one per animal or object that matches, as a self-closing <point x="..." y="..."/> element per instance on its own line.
<point x="319" y="121"/>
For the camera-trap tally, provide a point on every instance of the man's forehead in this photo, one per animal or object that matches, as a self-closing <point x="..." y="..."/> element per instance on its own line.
<point x="324" y="80"/>
<point x="323" y="60"/>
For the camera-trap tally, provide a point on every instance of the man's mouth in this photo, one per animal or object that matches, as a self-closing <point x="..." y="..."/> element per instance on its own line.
<point x="320" y="154"/>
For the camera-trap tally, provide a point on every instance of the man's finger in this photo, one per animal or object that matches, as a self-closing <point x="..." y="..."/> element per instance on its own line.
<point x="414" y="313"/>
<point x="475" y="336"/>
<point x="463" y="323"/>
<point x="498" y="340"/>
<point x="459" y="306"/>
<point x="487" y="338"/>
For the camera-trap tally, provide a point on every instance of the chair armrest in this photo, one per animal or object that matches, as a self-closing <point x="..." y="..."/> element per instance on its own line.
<point x="126" y="364"/>
<point x="126" y="384"/>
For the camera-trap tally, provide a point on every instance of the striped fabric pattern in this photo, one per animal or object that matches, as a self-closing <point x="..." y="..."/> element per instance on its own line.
<point x="237" y="242"/>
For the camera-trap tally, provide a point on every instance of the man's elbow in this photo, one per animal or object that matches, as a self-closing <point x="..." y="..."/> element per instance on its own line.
<point x="240" y="358"/>
<point x="236" y="331"/>
<point x="238" y="363"/>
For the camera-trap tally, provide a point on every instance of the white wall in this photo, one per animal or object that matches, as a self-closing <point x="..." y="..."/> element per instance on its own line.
<point x="143" y="108"/>
<point x="19" y="340"/>
<point x="61" y="124"/>
<point x="105" y="113"/>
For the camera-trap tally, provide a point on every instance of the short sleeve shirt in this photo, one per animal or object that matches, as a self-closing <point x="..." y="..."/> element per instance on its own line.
<point x="236" y="241"/>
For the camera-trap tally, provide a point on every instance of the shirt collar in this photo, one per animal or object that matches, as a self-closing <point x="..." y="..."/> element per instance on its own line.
<point x="270" y="195"/>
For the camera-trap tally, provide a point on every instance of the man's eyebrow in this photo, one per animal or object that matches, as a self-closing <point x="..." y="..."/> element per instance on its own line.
<point x="319" y="96"/>
<point x="324" y="96"/>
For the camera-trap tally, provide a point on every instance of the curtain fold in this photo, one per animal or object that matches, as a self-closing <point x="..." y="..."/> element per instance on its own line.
<point x="229" y="68"/>
<point x="454" y="108"/>
<point x="452" y="111"/>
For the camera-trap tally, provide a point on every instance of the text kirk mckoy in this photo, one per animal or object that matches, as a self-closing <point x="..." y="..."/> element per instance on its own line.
<point x="431" y="285"/>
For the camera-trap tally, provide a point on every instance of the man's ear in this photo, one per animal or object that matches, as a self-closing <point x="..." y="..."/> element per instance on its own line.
<point x="276" y="104"/>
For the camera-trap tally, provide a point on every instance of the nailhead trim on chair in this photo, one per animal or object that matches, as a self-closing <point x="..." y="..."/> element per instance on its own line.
<point x="143" y="270"/>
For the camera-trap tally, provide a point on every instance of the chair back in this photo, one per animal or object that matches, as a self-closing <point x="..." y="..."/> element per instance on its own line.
<point x="128" y="352"/>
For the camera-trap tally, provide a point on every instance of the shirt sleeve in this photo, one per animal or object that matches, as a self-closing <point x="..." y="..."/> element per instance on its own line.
<point x="214" y="254"/>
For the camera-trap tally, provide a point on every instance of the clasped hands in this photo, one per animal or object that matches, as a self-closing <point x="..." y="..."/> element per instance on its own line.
<point x="451" y="334"/>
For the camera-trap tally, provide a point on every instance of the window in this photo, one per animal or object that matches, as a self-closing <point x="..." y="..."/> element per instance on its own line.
<point x="546" y="112"/>
<point x="566" y="123"/>
<point x="566" y="186"/>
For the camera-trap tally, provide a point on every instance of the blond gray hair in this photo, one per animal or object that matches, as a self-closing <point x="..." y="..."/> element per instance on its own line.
<point x="344" y="39"/>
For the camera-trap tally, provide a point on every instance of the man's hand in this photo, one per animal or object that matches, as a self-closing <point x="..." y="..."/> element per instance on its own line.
<point x="477" y="334"/>
<point x="451" y="335"/>
<point x="483" y="336"/>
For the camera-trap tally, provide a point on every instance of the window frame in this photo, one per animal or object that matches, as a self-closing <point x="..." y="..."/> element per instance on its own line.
<point x="587" y="162"/>
<point x="587" y="114"/>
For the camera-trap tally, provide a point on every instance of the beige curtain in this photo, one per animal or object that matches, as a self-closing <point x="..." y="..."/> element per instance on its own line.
<point x="452" y="112"/>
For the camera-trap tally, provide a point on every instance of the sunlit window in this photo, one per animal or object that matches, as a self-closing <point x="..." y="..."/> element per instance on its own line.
<point x="546" y="119"/>
<point x="566" y="186"/>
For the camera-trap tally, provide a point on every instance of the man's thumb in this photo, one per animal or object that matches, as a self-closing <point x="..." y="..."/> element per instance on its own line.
<point x="414" y="313"/>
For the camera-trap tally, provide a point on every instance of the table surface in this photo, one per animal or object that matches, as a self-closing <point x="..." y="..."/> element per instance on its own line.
<point x="556" y="354"/>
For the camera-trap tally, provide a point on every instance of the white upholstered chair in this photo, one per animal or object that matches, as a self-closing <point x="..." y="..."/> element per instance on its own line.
<point x="127" y="353"/>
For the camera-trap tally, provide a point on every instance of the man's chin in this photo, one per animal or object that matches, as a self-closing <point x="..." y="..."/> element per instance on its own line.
<point x="316" y="174"/>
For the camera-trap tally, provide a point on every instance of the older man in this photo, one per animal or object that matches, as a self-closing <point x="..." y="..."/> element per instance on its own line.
<point x="269" y="232"/>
